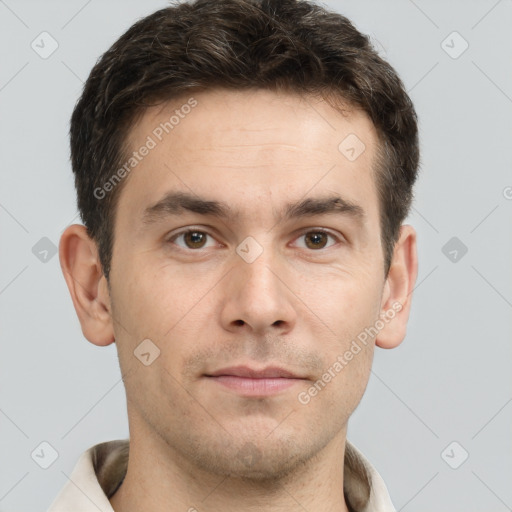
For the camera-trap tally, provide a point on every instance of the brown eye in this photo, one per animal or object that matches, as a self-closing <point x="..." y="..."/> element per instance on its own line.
<point x="194" y="239"/>
<point x="316" y="239"/>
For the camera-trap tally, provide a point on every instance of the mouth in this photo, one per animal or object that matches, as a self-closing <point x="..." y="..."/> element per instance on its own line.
<point x="251" y="382"/>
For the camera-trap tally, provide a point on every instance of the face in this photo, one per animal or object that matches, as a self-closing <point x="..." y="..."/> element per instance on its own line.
<point x="246" y="238"/>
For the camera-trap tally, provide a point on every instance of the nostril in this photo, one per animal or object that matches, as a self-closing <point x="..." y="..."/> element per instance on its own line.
<point x="239" y="322"/>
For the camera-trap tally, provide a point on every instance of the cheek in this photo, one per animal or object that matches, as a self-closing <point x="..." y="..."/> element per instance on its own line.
<point x="348" y="308"/>
<point x="341" y="298"/>
<point x="168" y="307"/>
<point x="157" y="297"/>
<point x="339" y="388"/>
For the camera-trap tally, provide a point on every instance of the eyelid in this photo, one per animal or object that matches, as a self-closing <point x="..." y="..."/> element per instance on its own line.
<point x="182" y="231"/>
<point x="338" y="238"/>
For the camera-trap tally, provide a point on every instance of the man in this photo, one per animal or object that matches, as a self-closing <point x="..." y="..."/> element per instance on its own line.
<point x="243" y="170"/>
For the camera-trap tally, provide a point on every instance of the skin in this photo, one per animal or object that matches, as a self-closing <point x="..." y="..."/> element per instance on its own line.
<point x="193" y="442"/>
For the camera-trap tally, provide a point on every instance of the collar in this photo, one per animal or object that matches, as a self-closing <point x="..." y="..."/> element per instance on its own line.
<point x="101" y="469"/>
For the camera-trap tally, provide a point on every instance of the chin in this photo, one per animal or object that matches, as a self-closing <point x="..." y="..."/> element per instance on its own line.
<point x="262" y="460"/>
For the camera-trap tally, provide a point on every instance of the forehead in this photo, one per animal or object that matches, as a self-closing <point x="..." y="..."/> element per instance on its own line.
<point x="253" y="116"/>
<point x="236" y="145"/>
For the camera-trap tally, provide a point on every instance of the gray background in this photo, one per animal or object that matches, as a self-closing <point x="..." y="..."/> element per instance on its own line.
<point x="450" y="379"/>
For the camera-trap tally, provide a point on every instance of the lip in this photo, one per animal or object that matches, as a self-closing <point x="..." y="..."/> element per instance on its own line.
<point x="251" y="382"/>
<point x="270" y="372"/>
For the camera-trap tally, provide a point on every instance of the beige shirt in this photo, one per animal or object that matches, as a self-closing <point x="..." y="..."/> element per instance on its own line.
<point x="100" y="471"/>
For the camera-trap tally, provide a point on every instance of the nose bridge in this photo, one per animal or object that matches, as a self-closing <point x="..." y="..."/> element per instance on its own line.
<point x="257" y="295"/>
<point x="257" y="276"/>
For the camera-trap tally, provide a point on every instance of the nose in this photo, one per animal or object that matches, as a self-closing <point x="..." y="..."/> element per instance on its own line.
<point x="258" y="298"/>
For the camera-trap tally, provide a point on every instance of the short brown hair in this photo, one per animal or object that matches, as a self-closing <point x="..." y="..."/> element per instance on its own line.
<point x="287" y="45"/>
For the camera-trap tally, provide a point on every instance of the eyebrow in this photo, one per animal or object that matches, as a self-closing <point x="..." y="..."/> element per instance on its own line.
<point x="175" y="203"/>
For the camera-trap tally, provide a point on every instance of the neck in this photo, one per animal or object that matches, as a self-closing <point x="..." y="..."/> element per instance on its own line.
<point x="160" y="479"/>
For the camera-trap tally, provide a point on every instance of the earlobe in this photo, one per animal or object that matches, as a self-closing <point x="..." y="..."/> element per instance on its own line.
<point x="397" y="294"/>
<point x="86" y="283"/>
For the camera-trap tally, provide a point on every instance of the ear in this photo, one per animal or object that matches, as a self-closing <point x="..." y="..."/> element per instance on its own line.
<point x="397" y="295"/>
<point x="87" y="285"/>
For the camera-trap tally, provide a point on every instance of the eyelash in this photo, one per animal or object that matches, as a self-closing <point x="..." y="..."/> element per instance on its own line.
<point x="303" y="233"/>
